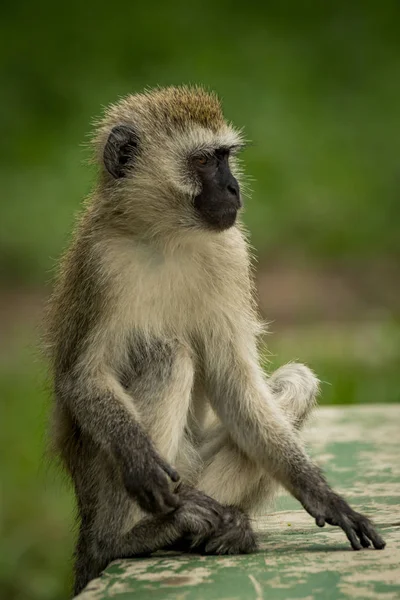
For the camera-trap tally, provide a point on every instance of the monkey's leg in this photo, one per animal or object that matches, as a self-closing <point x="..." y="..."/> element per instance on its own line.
<point x="103" y="538"/>
<point x="229" y="475"/>
<point x="162" y="395"/>
<point x="233" y="479"/>
<point x="144" y="538"/>
<point x="86" y="567"/>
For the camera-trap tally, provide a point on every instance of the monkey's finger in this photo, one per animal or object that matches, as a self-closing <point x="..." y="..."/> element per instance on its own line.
<point x="365" y="543"/>
<point x="351" y="534"/>
<point x="170" y="471"/>
<point x="155" y="506"/>
<point x="155" y="502"/>
<point x="146" y="503"/>
<point x="165" y="501"/>
<point x="171" y="500"/>
<point x="151" y="497"/>
<point x="320" y="521"/>
<point x="368" y="531"/>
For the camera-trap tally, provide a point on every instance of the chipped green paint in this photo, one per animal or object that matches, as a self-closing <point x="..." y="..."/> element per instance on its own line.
<point x="359" y="448"/>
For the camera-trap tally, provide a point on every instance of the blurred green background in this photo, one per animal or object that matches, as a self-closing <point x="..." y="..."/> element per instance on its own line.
<point x="316" y="86"/>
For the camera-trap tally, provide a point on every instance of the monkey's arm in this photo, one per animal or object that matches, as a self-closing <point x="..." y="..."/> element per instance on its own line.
<point x="243" y="400"/>
<point x="106" y="413"/>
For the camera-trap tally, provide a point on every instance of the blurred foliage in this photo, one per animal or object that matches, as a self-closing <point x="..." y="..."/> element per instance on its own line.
<point x="314" y="83"/>
<point x="36" y="541"/>
<point x="316" y="86"/>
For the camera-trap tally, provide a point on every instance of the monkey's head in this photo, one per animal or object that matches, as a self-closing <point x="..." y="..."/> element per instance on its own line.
<point x="168" y="160"/>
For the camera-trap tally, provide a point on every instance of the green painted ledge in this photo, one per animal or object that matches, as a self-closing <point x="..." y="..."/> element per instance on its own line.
<point x="359" y="447"/>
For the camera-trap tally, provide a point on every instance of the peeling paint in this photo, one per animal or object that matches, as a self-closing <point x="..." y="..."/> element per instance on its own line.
<point x="359" y="448"/>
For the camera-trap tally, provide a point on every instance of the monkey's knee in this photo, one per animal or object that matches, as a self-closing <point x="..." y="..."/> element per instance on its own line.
<point x="229" y="476"/>
<point x="296" y="388"/>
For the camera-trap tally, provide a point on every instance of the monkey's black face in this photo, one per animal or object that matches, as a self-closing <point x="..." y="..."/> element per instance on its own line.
<point x="219" y="199"/>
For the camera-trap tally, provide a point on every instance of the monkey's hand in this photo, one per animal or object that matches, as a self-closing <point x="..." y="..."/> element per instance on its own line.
<point x="333" y="509"/>
<point x="146" y="478"/>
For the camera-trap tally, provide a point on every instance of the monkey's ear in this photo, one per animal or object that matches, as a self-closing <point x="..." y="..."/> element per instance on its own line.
<point x="120" y="150"/>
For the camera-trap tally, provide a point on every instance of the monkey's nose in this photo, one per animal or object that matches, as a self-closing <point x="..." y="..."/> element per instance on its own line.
<point x="233" y="187"/>
<point x="235" y="198"/>
<point x="234" y="192"/>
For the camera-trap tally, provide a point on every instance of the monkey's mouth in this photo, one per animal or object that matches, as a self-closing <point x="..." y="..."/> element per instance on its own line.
<point x="220" y="218"/>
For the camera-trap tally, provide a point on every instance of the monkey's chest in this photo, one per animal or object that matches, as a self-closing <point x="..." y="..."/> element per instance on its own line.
<point x="172" y="300"/>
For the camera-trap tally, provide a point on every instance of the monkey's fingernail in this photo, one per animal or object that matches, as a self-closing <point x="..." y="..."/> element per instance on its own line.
<point x="170" y="471"/>
<point x="174" y="475"/>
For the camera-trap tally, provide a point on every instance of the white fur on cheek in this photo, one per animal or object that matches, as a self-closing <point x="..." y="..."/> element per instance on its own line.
<point x="193" y="140"/>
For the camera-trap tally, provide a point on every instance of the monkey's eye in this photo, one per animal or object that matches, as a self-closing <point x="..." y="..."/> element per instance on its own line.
<point x="202" y="160"/>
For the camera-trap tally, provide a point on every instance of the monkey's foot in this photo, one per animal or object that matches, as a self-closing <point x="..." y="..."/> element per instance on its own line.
<point x="198" y="517"/>
<point x="234" y="536"/>
<point x="209" y="527"/>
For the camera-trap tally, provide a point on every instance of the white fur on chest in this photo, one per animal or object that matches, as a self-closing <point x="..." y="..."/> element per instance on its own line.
<point x="159" y="292"/>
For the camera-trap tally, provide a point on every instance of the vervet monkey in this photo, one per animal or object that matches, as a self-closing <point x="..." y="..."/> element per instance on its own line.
<point x="152" y="333"/>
